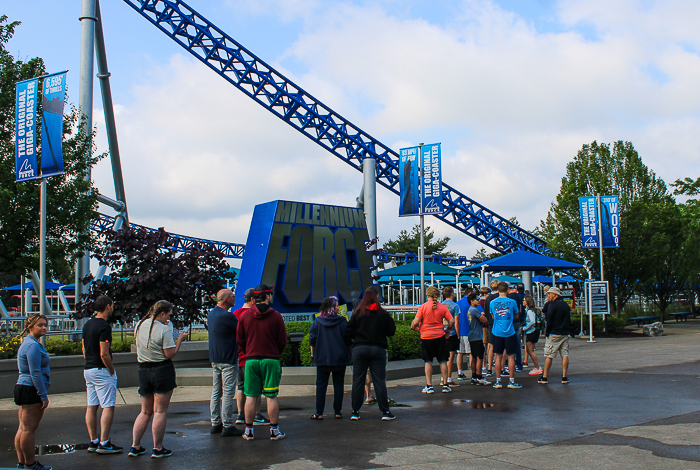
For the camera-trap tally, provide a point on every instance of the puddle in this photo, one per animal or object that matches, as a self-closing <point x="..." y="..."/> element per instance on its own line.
<point x="479" y="405"/>
<point x="186" y="413"/>
<point x="53" y="449"/>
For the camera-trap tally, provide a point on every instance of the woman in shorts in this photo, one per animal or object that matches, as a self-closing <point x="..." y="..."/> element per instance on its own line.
<point x="155" y="348"/>
<point x="31" y="390"/>
<point x="532" y="334"/>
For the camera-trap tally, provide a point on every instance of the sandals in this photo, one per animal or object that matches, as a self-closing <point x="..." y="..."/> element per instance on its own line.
<point x="316" y="416"/>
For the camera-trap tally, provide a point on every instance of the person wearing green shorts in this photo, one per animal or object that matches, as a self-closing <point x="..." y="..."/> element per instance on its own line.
<point x="262" y="337"/>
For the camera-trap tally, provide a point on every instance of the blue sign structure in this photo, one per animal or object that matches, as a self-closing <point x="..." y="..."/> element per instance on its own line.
<point x="409" y="181"/>
<point x="590" y="238"/>
<point x="54" y="95"/>
<point x="610" y="217"/>
<point x="25" y="130"/>
<point x="308" y="252"/>
<point x="432" y="179"/>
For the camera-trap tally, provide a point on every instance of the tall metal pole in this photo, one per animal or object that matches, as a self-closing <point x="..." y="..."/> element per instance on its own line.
<point x="369" y="171"/>
<point x="42" y="249"/>
<point x="422" y="227"/>
<point x="87" y="50"/>
<point x="600" y="237"/>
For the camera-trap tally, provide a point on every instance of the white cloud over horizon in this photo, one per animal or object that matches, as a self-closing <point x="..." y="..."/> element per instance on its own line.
<point x="511" y="105"/>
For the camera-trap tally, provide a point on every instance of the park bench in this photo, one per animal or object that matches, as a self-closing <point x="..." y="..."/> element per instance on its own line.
<point x="680" y="315"/>
<point x="643" y="320"/>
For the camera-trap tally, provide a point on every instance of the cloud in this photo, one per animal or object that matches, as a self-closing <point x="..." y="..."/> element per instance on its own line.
<point x="510" y="104"/>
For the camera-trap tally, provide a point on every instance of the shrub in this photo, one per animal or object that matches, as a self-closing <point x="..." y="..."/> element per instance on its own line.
<point x="286" y="358"/>
<point x="305" y="352"/>
<point x="405" y="344"/>
<point x="63" y="348"/>
<point x="616" y="325"/>
<point x="9" y="346"/>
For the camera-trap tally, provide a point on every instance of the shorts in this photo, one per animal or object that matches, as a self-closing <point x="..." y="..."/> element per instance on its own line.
<point x="556" y="343"/>
<point x="101" y="387"/>
<point x="492" y="338"/>
<point x="532" y="337"/>
<point x="263" y="377"/>
<point x="507" y="343"/>
<point x="453" y="343"/>
<point x="241" y="377"/>
<point x="434" y="348"/>
<point x="485" y="335"/>
<point x="26" y="395"/>
<point x="156" y="377"/>
<point x="478" y="348"/>
<point x="464" y="347"/>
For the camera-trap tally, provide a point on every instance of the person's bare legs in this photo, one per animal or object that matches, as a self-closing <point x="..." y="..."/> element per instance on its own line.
<point x="530" y="349"/>
<point x="91" y="421"/>
<point x="443" y="371"/>
<point x="498" y="365"/>
<point x="429" y="373"/>
<point x="240" y="402"/>
<point x="106" y="423"/>
<point x="160" y="410"/>
<point x="490" y="356"/>
<point x="450" y="366"/>
<point x="142" y="420"/>
<point x="368" y="387"/>
<point x="252" y="404"/>
<point x="29" y="418"/>
<point x="547" y="365"/>
<point x="460" y="362"/>
<point x="273" y="411"/>
<point x="511" y="365"/>
<point x="564" y="366"/>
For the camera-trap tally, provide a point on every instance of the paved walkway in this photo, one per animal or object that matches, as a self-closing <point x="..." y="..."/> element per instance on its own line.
<point x="633" y="403"/>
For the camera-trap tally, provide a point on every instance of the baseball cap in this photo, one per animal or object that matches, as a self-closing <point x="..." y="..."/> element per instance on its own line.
<point x="263" y="289"/>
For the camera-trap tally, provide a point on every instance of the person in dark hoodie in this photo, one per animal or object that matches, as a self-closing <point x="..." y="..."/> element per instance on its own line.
<point x="369" y="326"/>
<point x="262" y="337"/>
<point x="330" y="354"/>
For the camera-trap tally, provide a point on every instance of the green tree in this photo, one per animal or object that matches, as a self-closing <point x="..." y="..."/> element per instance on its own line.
<point x="690" y="211"/>
<point x="144" y="269"/>
<point x="598" y="169"/>
<point x="410" y="243"/>
<point x="71" y="198"/>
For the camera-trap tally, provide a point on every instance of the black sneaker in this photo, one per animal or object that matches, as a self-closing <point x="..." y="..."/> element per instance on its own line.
<point x="216" y="429"/>
<point x="355" y="415"/>
<point x="240" y="419"/>
<point x="392" y="402"/>
<point x="20" y="465"/>
<point x="134" y="452"/>
<point x="388" y="416"/>
<point x="38" y="466"/>
<point x="276" y="434"/>
<point x="162" y="453"/>
<point x="92" y="447"/>
<point x="109" y="448"/>
<point x="462" y="377"/>
<point x="543" y="380"/>
<point x="565" y="380"/>
<point x="260" y="419"/>
<point x="231" y="431"/>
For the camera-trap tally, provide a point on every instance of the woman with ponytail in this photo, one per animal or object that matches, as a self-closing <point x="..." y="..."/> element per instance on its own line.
<point x="369" y="327"/>
<point x="430" y="322"/>
<point x="155" y="349"/>
<point x="31" y="390"/>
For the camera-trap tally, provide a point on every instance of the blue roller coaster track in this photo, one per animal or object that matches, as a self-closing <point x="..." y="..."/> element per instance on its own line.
<point x="318" y="122"/>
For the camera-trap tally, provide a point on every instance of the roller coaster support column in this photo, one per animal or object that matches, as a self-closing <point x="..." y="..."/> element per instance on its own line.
<point x="88" y="19"/>
<point x="527" y="280"/>
<point x="369" y="188"/>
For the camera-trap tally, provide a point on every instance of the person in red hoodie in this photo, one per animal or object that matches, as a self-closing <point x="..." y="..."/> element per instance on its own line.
<point x="262" y="337"/>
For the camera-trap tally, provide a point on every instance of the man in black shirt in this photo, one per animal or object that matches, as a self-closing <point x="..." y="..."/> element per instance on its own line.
<point x="558" y="314"/>
<point x="100" y="376"/>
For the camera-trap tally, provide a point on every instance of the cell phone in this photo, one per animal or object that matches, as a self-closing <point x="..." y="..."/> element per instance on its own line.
<point x="186" y="330"/>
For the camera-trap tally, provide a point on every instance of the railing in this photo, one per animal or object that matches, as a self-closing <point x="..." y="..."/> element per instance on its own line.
<point x="401" y="310"/>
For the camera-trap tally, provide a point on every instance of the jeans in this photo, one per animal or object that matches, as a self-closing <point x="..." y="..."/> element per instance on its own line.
<point x="322" y="376"/>
<point x="518" y="352"/>
<point x="223" y="394"/>
<point x="366" y="356"/>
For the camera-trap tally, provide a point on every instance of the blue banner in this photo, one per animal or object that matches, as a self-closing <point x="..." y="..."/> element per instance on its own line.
<point x="610" y="217"/>
<point x="409" y="181"/>
<point x="25" y="130"/>
<point x="54" y="94"/>
<point x="432" y="180"/>
<point x="589" y="221"/>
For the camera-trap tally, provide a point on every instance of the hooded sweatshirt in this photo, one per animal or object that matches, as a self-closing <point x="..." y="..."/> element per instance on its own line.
<point x="328" y="335"/>
<point x="261" y="333"/>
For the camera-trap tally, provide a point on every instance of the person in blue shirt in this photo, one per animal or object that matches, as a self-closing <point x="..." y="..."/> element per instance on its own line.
<point x="463" y="327"/>
<point x="477" y="320"/>
<point x="453" y="334"/>
<point x="503" y="311"/>
<point x="31" y="390"/>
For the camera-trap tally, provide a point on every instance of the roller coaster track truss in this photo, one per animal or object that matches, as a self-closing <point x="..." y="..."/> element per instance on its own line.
<point x="317" y="121"/>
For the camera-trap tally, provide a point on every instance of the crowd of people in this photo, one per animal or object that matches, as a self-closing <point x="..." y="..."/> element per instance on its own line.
<point x="245" y="348"/>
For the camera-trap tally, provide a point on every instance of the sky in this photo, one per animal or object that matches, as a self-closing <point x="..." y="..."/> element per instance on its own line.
<point x="512" y="89"/>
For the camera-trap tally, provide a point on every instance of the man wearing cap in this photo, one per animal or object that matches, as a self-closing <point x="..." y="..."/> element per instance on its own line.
<point x="556" y="334"/>
<point x="223" y="354"/>
<point x="503" y="311"/>
<point x="262" y="337"/>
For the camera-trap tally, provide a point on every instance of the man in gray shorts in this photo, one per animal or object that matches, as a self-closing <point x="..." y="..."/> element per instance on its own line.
<point x="557" y="334"/>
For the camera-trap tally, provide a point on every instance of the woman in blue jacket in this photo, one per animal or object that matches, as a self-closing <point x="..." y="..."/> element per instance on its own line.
<point x="330" y="354"/>
<point x="31" y="390"/>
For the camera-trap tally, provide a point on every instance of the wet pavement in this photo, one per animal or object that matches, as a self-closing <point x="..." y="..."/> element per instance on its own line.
<point x="631" y="403"/>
